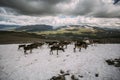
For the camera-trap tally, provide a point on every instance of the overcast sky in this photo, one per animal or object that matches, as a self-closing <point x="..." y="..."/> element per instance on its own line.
<point x="59" y="12"/>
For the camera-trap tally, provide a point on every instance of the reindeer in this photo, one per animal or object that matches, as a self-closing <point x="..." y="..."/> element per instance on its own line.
<point x="80" y="45"/>
<point x="56" y="47"/>
<point x="26" y="48"/>
<point x="30" y="47"/>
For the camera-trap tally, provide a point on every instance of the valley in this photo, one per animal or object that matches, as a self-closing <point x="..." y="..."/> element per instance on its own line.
<point x="36" y="33"/>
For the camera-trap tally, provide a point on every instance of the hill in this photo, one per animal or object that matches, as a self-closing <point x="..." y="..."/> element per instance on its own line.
<point x="35" y="28"/>
<point x="72" y="32"/>
<point x="8" y="27"/>
<point x="18" y="37"/>
<point x="79" y="32"/>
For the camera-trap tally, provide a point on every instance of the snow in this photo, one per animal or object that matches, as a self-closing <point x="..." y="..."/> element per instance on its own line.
<point x="40" y="65"/>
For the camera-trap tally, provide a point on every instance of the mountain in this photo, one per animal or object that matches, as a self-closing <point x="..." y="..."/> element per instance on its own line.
<point x="35" y="28"/>
<point x="88" y="27"/>
<point x="4" y="27"/>
<point x="77" y="28"/>
<point x="81" y="32"/>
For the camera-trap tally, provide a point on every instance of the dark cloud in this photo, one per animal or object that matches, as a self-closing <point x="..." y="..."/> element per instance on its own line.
<point x="95" y="8"/>
<point x="116" y="1"/>
<point x="33" y="6"/>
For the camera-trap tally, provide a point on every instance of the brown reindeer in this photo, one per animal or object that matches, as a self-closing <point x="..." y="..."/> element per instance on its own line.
<point x="30" y="47"/>
<point x="56" y="47"/>
<point x="26" y="48"/>
<point x="80" y="45"/>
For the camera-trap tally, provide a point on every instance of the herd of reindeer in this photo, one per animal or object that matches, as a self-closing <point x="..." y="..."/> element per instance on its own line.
<point x="57" y="45"/>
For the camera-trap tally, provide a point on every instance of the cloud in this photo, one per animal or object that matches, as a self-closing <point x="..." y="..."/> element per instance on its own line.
<point x="59" y="20"/>
<point x="60" y="12"/>
<point x="39" y="7"/>
<point x="95" y="8"/>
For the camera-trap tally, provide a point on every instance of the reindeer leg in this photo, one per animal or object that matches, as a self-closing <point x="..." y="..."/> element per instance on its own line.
<point x="86" y="46"/>
<point x="51" y="52"/>
<point x="79" y="49"/>
<point x="57" y="52"/>
<point x="74" y="49"/>
<point x="30" y="50"/>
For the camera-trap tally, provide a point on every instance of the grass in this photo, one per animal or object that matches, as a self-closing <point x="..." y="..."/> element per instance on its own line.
<point x="61" y="34"/>
<point x="64" y="31"/>
<point x="18" y="37"/>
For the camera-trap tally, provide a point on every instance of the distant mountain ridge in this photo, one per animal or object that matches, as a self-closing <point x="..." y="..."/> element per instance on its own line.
<point x="8" y="27"/>
<point x="87" y="27"/>
<point x="43" y="27"/>
<point x="34" y="28"/>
